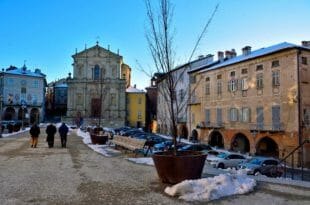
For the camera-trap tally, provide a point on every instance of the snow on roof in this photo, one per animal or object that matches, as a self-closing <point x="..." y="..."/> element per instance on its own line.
<point x="252" y="55"/>
<point x="133" y="90"/>
<point x="25" y="72"/>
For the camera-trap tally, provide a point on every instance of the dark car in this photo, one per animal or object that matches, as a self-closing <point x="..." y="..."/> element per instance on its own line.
<point x="196" y="147"/>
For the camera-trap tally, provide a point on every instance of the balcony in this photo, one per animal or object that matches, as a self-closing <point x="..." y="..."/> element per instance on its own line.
<point x="204" y="125"/>
<point x="276" y="127"/>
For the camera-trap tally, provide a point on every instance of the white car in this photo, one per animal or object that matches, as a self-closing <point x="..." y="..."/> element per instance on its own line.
<point x="226" y="159"/>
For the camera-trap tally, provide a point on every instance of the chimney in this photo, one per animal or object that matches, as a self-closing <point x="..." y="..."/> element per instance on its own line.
<point x="200" y="56"/>
<point x="233" y="53"/>
<point x="220" y="56"/>
<point x="305" y="44"/>
<point x="246" y="50"/>
<point x="228" y="54"/>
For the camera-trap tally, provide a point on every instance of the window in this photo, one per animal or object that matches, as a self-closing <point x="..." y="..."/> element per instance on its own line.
<point x="219" y="116"/>
<point x="113" y="99"/>
<point x="232" y="85"/>
<point x="219" y="87"/>
<point x="10" y="81"/>
<point x="23" y="90"/>
<point x="304" y="61"/>
<point x="245" y="114"/>
<point x="35" y="99"/>
<point x="96" y="71"/>
<point x="114" y="71"/>
<point x="244" y="84"/>
<point x="208" y="88"/>
<point x="260" y="117"/>
<point x="232" y="74"/>
<point x="244" y="71"/>
<point x="79" y="99"/>
<point x="307" y="116"/>
<point x="193" y="118"/>
<point x="139" y="100"/>
<point x="233" y="114"/>
<point x="207" y="120"/>
<point x="259" y="67"/>
<point x="35" y="84"/>
<point x="275" y="63"/>
<point x="219" y="77"/>
<point x="139" y="115"/>
<point x="259" y="81"/>
<point x="192" y="79"/>
<point x="275" y="78"/>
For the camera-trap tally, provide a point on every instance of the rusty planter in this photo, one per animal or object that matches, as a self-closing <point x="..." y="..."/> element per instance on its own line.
<point x="98" y="139"/>
<point x="174" y="169"/>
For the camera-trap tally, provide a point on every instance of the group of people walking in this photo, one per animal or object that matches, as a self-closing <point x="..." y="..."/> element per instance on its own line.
<point x="50" y="131"/>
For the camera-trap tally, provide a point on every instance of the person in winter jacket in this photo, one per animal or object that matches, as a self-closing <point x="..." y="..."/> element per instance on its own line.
<point x="63" y="131"/>
<point x="50" y="131"/>
<point x="34" y="132"/>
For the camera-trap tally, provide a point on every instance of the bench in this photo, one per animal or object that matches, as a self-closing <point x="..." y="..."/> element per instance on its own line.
<point x="129" y="143"/>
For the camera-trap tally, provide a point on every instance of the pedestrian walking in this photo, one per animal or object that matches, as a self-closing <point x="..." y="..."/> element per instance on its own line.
<point x="63" y="131"/>
<point x="34" y="132"/>
<point x="50" y="131"/>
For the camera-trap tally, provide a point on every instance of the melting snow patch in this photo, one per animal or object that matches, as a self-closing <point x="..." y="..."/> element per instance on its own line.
<point x="212" y="188"/>
<point x="142" y="160"/>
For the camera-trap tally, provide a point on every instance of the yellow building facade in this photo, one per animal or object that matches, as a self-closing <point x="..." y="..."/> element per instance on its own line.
<point x="135" y="107"/>
<point x="258" y="102"/>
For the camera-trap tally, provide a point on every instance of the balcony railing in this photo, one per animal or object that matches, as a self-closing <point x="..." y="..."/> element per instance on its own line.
<point x="202" y="125"/>
<point x="275" y="127"/>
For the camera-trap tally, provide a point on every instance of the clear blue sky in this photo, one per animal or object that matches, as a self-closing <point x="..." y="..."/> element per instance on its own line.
<point x="46" y="33"/>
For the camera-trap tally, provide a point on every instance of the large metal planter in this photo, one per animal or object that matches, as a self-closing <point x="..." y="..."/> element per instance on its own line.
<point x="99" y="139"/>
<point x="174" y="169"/>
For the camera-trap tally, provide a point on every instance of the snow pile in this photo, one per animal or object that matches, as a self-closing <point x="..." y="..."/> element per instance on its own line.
<point x="212" y="188"/>
<point x="142" y="160"/>
<point x="105" y="150"/>
<point x="14" y="133"/>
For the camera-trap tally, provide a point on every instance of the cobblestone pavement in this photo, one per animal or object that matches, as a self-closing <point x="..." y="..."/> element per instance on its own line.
<point x="78" y="175"/>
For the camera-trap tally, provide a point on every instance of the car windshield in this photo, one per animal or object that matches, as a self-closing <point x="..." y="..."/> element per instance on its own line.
<point x="186" y="147"/>
<point x="222" y="155"/>
<point x="255" y="161"/>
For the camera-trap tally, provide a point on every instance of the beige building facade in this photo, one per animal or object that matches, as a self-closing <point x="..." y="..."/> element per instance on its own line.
<point x="258" y="102"/>
<point x="96" y="92"/>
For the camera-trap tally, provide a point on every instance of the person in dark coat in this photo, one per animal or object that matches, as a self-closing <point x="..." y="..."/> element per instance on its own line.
<point x="34" y="132"/>
<point x="50" y="131"/>
<point x="63" y="131"/>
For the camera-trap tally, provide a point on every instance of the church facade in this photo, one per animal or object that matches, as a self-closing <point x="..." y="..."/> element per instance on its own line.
<point x="97" y="89"/>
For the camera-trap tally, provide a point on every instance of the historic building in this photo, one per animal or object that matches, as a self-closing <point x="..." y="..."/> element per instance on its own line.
<point x="96" y="91"/>
<point x="257" y="102"/>
<point x="181" y="95"/>
<point x="22" y="94"/>
<point x="135" y="107"/>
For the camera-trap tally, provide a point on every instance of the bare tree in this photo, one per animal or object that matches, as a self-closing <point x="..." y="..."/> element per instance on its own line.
<point x="159" y="35"/>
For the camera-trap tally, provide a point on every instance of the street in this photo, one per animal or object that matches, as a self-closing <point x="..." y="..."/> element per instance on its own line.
<point x="78" y="175"/>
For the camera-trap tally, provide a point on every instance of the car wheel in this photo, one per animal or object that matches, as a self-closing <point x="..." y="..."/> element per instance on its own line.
<point x="221" y="166"/>
<point x="256" y="172"/>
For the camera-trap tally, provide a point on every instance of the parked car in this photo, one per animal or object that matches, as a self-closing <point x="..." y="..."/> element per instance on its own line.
<point x="226" y="159"/>
<point x="163" y="146"/>
<point x="263" y="165"/>
<point x="196" y="147"/>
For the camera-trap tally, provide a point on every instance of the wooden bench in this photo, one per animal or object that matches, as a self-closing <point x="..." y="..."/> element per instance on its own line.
<point x="129" y="143"/>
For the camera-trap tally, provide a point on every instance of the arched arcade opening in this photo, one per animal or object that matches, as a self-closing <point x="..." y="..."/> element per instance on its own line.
<point x="240" y="143"/>
<point x="267" y="147"/>
<point x="216" y="139"/>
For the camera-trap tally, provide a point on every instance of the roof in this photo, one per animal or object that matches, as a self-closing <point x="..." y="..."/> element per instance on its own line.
<point x="133" y="90"/>
<point x="62" y="85"/>
<point x="254" y="54"/>
<point x="23" y="71"/>
<point x="95" y="47"/>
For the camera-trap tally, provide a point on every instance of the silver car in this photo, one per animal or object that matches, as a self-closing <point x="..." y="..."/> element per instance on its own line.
<point x="226" y="159"/>
<point x="263" y="165"/>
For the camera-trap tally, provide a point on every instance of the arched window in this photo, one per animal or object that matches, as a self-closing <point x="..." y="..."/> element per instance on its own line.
<point x="96" y="72"/>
